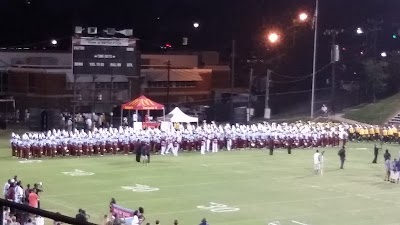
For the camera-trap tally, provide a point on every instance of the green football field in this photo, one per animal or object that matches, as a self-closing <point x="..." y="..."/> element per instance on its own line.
<point x="239" y="187"/>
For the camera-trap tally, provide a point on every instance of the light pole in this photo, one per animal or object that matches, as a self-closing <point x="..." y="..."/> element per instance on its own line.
<point x="273" y="37"/>
<point x="314" y="57"/>
<point x="303" y="17"/>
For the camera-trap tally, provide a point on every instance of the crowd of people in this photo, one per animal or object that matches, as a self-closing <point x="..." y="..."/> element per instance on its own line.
<point x="204" y="138"/>
<point x="14" y="191"/>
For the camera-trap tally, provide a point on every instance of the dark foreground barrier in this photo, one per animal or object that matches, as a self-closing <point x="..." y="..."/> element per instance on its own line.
<point x="43" y="213"/>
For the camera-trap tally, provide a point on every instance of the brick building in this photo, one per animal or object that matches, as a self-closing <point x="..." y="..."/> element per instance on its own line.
<point x="45" y="80"/>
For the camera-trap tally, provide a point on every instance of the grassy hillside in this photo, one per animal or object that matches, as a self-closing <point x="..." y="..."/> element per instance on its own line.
<point x="375" y="113"/>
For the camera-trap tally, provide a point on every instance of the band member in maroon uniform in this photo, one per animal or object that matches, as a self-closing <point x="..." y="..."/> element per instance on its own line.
<point x="85" y="148"/>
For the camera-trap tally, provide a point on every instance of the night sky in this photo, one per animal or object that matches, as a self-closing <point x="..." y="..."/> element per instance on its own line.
<point x="33" y="23"/>
<point x="29" y="21"/>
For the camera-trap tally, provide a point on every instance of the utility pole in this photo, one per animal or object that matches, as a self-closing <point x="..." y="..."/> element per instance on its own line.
<point x="249" y="97"/>
<point x="168" y="82"/>
<point x="74" y="105"/>
<point x="267" y="110"/>
<point x="334" y="59"/>
<point x="233" y="55"/>
<point x="314" y="57"/>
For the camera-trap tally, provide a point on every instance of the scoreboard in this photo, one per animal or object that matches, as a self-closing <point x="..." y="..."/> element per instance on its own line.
<point x="105" y="56"/>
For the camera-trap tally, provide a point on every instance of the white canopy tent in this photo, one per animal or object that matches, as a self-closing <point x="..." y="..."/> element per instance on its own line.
<point x="177" y="116"/>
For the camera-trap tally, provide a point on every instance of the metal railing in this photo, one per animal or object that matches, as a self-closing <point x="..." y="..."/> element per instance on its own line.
<point x="40" y="212"/>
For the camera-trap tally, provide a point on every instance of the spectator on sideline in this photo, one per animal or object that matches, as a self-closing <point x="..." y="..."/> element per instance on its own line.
<point x="39" y="220"/>
<point x="14" y="221"/>
<point x="112" y="202"/>
<point x="29" y="222"/>
<point x="27" y="192"/>
<point x="33" y="199"/>
<point x="81" y="216"/>
<point x="204" y="222"/>
<point x="19" y="193"/>
<point x="6" y="215"/>
<point x="11" y="192"/>
<point x="57" y="222"/>
<point x="140" y="215"/>
<point x="38" y="188"/>
<point x="6" y="186"/>
<point x="117" y="220"/>
<point x="105" y="220"/>
<point x="135" y="219"/>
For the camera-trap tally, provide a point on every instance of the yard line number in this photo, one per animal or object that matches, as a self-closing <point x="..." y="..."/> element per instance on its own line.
<point x="218" y="208"/>
<point x="78" y="173"/>
<point x="140" y="188"/>
<point x="274" y="223"/>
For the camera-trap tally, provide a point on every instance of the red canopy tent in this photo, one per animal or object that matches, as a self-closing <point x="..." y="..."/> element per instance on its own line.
<point x="142" y="103"/>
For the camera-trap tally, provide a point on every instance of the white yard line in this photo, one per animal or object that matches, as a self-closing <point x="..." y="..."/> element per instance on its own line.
<point x="297" y="222"/>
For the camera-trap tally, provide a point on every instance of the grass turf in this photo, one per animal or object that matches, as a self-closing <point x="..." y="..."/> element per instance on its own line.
<point x="377" y="113"/>
<point x="265" y="188"/>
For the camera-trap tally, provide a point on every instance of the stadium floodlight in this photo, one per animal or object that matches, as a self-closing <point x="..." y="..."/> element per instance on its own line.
<point x="78" y="30"/>
<point x="110" y="31"/>
<point x="92" y="30"/>
<point x="126" y="32"/>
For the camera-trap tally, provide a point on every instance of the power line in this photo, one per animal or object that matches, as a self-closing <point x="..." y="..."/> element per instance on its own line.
<point x="302" y="78"/>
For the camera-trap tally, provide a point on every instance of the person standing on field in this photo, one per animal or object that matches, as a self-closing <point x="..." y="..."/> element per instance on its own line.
<point x="342" y="157"/>
<point x="317" y="163"/>
<point x="376" y="152"/>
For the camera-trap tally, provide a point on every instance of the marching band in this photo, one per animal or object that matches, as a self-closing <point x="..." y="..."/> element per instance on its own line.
<point x="203" y="138"/>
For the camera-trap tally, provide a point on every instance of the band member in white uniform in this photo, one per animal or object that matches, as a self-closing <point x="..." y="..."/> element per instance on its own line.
<point x="203" y="146"/>
<point x="208" y="142"/>
<point x="163" y="146"/>
<point x="175" y="148"/>
<point x="170" y="146"/>
<point x="229" y="143"/>
<point x="215" y="144"/>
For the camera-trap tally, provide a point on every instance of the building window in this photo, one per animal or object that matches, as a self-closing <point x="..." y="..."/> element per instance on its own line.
<point x="172" y="84"/>
<point x="145" y="62"/>
<point x="103" y="85"/>
<point x="185" y="84"/>
<point x="120" y="85"/>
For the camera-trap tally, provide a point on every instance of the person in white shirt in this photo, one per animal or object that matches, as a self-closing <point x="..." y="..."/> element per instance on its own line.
<point x="135" y="220"/>
<point x="19" y="193"/>
<point x="39" y="220"/>
<point x="6" y="186"/>
<point x="317" y="162"/>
